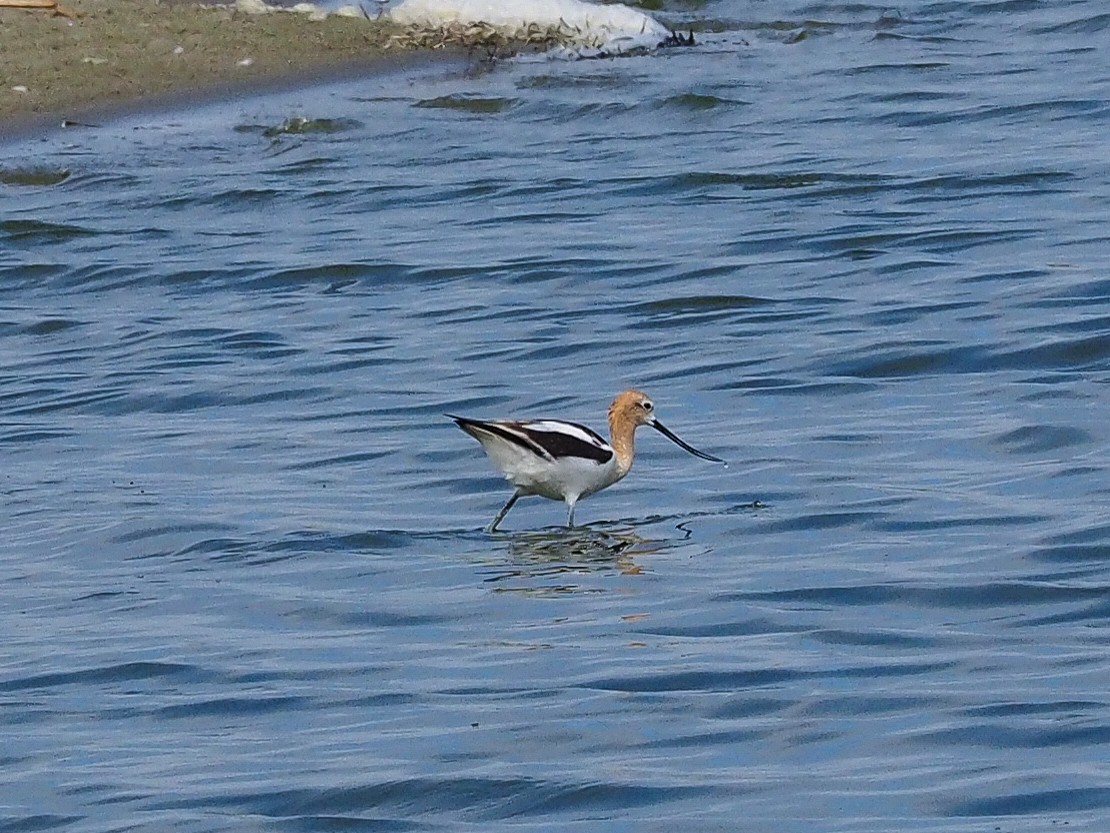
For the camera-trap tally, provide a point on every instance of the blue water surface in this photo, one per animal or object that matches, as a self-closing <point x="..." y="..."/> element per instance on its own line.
<point x="858" y="250"/>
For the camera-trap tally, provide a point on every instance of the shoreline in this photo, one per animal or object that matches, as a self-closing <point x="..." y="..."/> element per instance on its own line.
<point x="121" y="56"/>
<point x="87" y="60"/>
<point x="99" y="113"/>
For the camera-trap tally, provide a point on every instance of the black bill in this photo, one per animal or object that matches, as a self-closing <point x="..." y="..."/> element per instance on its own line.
<point x="666" y="432"/>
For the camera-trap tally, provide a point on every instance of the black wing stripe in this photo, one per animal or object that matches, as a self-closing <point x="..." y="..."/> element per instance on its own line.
<point x="550" y="445"/>
<point x="558" y="444"/>
<point x="475" y="426"/>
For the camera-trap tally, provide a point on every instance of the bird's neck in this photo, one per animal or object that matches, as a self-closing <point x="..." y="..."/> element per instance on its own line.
<point x="623" y="439"/>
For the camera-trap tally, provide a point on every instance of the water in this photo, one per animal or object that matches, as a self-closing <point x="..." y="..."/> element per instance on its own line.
<point x="859" y="253"/>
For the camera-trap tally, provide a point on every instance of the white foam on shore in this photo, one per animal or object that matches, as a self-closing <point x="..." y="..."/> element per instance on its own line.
<point x="611" y="27"/>
<point x="583" y="29"/>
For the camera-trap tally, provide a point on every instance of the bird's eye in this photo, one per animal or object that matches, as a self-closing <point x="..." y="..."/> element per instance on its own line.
<point x="647" y="406"/>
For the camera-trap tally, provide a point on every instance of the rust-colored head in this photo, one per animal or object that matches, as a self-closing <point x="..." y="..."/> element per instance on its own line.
<point x="631" y="409"/>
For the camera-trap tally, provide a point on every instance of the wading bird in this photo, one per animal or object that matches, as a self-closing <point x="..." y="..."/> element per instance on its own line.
<point x="564" y="460"/>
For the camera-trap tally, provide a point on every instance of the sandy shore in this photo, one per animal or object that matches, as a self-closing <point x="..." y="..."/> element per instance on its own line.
<point x="85" y="59"/>
<point x="117" y="52"/>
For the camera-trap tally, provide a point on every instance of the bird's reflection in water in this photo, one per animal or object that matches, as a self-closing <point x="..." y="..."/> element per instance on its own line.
<point x="534" y="558"/>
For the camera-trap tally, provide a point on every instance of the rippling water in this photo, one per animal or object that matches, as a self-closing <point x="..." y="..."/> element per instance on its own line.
<point x="859" y="252"/>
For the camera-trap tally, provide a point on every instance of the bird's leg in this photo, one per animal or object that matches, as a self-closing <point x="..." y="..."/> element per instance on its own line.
<point x="570" y="514"/>
<point x="504" y="511"/>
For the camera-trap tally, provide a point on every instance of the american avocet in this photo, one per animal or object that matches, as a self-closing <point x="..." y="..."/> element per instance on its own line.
<point x="564" y="460"/>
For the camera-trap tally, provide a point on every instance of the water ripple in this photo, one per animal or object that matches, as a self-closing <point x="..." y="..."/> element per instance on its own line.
<point x="859" y="253"/>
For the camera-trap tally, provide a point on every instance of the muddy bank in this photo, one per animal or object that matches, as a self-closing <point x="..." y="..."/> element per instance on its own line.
<point x="114" y="52"/>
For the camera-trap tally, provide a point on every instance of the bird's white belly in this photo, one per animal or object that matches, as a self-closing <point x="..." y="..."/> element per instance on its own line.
<point x="554" y="479"/>
<point x="567" y="476"/>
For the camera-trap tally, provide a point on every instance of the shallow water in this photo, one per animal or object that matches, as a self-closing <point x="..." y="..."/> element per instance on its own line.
<point x="860" y="254"/>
